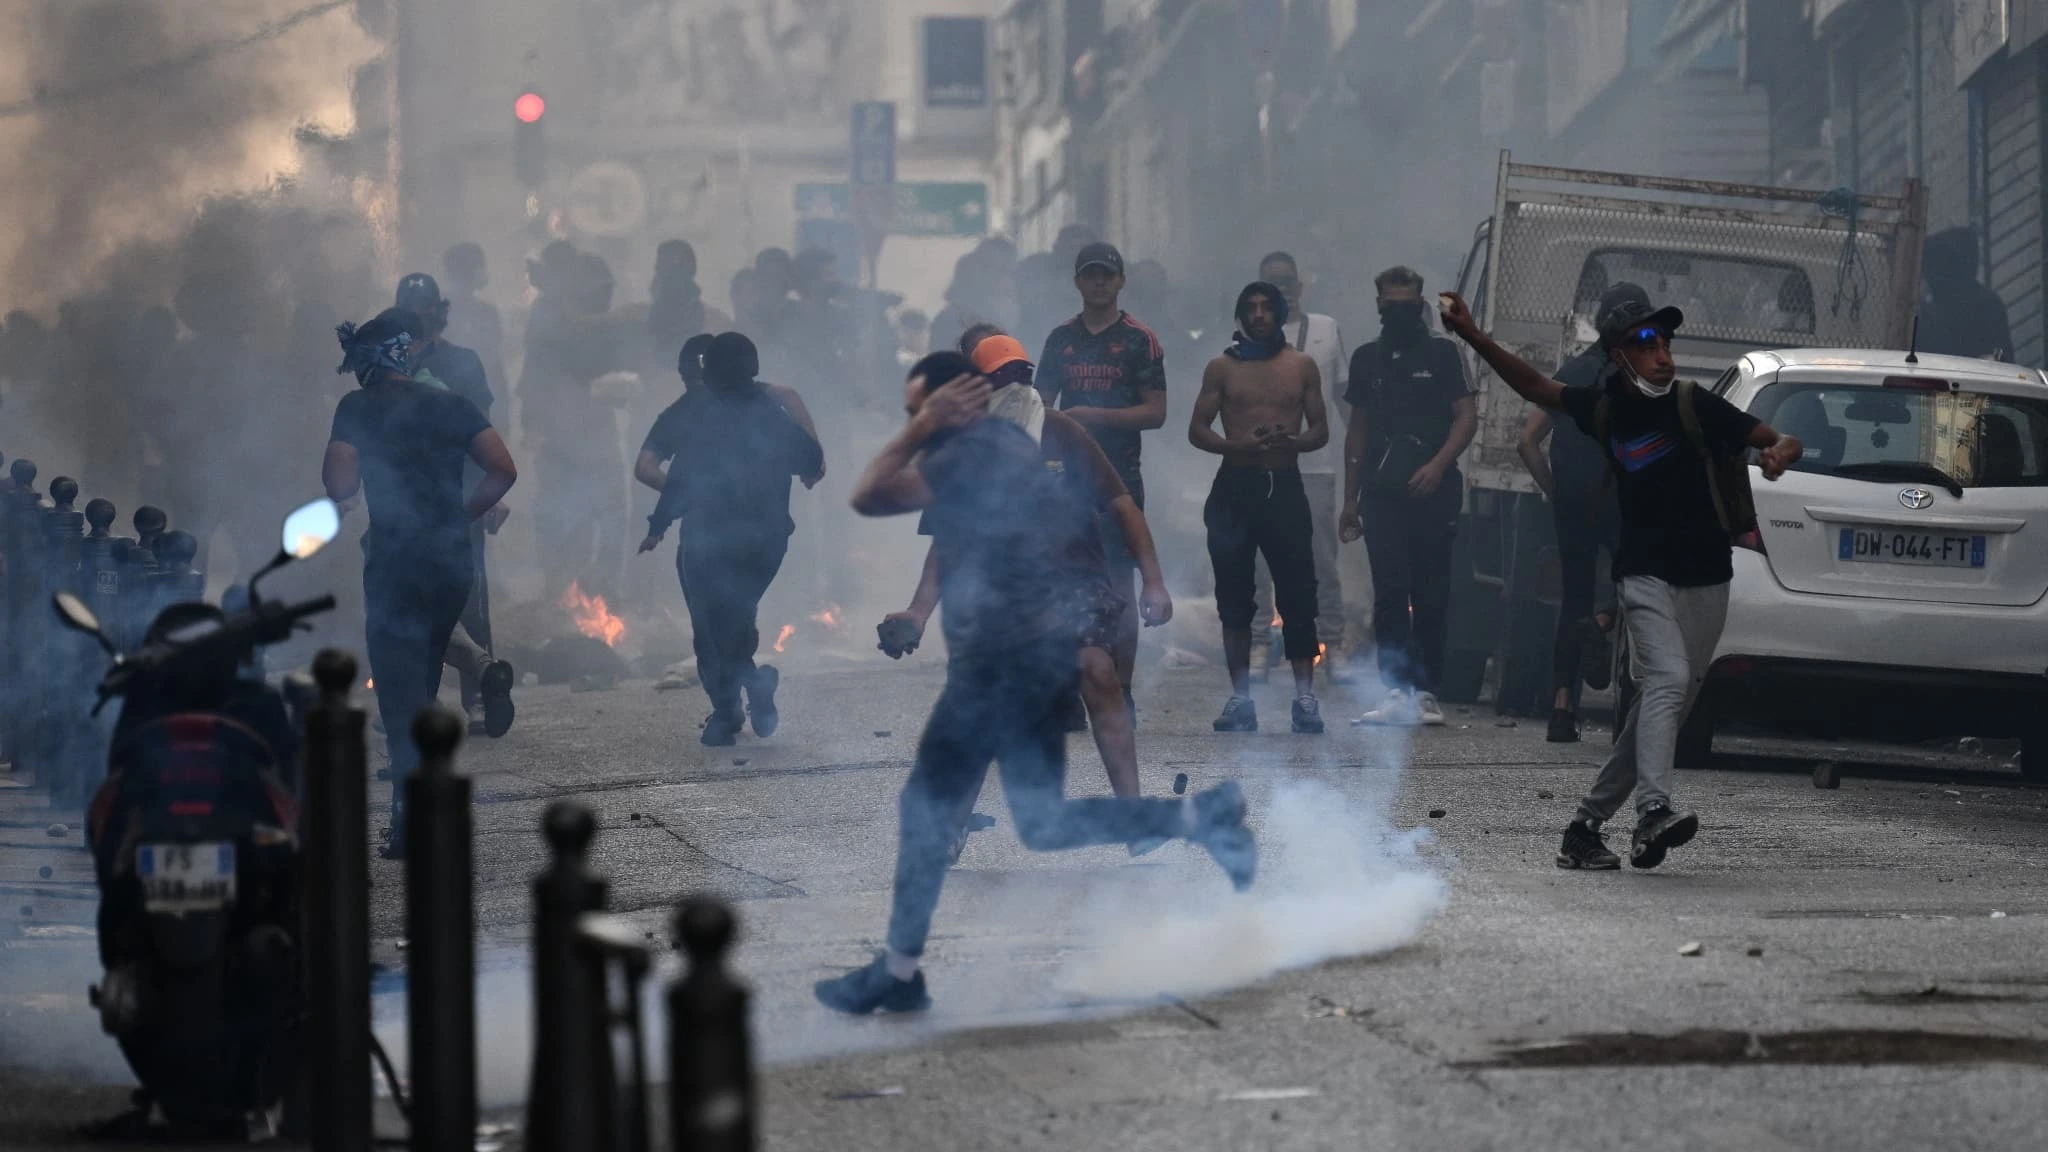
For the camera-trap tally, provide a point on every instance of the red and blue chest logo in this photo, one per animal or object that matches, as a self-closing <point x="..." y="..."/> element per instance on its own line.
<point x="1642" y="451"/>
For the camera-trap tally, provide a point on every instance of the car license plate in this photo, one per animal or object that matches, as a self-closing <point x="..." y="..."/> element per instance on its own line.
<point x="1889" y="546"/>
<point x="180" y="878"/>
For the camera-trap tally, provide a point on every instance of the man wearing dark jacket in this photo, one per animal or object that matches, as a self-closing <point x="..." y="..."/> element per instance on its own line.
<point x="735" y="450"/>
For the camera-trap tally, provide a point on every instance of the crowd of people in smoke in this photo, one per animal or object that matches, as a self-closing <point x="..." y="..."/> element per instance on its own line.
<point x="1031" y="398"/>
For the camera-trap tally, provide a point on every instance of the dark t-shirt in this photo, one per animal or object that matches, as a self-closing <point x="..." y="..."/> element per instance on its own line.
<point x="411" y="441"/>
<point x="1084" y="486"/>
<point x="1113" y="368"/>
<point x="459" y="370"/>
<point x="1669" y="528"/>
<point x="735" y="454"/>
<point x="990" y="485"/>
<point x="1576" y="462"/>
<point x="1408" y="393"/>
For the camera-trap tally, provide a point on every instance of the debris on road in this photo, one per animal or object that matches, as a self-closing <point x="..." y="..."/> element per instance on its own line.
<point x="55" y="830"/>
<point x="1324" y="1008"/>
<point x="1692" y="948"/>
<point x="45" y="872"/>
<point x="1180" y="784"/>
<point x="1178" y="659"/>
<point x="1754" y="951"/>
<point x="1546" y="795"/>
<point x="869" y="1094"/>
<point x="740" y="763"/>
<point x="1264" y="1094"/>
<point x="883" y="733"/>
<point x="1997" y="915"/>
<point x="1436" y="813"/>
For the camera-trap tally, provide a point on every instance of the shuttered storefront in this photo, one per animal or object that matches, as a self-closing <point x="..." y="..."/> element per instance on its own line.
<point x="2012" y="196"/>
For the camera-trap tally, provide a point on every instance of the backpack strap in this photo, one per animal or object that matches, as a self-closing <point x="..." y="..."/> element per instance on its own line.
<point x="1689" y="419"/>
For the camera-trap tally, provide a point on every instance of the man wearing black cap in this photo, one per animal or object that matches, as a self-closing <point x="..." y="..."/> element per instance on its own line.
<point x="1582" y="506"/>
<point x="735" y="450"/>
<point x="1270" y="397"/>
<point x="1107" y="372"/>
<point x="1411" y="416"/>
<point x="1665" y="442"/>
<point x="486" y="683"/>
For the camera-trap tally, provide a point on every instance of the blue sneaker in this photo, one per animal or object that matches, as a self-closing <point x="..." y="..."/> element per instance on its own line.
<point x="1220" y="830"/>
<point x="871" y="989"/>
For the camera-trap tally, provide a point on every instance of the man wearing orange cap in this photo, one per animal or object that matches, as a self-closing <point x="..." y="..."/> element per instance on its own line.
<point x="1096" y="490"/>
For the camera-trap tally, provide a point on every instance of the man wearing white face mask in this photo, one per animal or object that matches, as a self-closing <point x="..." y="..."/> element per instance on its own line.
<point x="1663" y="449"/>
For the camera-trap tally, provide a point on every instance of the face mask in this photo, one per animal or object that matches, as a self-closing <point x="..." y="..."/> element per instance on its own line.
<point x="1402" y="316"/>
<point x="1653" y="391"/>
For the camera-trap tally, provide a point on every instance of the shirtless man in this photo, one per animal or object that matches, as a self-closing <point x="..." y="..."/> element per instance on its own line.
<point x="1271" y="400"/>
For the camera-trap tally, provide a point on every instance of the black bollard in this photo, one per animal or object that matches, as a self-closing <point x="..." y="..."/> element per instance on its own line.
<point x="337" y="914"/>
<point x="711" y="1062"/>
<point x="26" y="614"/>
<point x="179" y="581"/>
<point x="58" y="751"/>
<point x="567" y="1102"/>
<point x="440" y="993"/>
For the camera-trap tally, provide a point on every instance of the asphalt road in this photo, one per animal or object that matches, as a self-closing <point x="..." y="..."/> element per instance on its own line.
<point x="1411" y="970"/>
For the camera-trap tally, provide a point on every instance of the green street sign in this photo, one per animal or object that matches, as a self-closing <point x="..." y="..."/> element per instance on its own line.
<point x="922" y="209"/>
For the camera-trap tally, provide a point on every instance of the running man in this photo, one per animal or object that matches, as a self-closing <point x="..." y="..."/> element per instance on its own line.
<point x="1011" y="659"/>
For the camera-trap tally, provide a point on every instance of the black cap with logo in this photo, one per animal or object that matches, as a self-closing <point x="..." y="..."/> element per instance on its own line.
<point x="1623" y="319"/>
<point x="1100" y="254"/>
<point x="420" y="293"/>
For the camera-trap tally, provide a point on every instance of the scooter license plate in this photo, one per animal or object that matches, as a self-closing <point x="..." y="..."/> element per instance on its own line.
<point x="180" y="878"/>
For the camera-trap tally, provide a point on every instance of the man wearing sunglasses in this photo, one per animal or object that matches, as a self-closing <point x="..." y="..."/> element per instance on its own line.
<point x="1673" y="567"/>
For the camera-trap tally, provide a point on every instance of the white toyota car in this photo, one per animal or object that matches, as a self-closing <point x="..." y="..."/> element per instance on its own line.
<point x="1895" y="586"/>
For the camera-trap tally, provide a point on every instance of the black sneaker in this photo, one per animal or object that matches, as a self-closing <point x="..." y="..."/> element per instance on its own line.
<point x="496" y="688"/>
<point x="1074" y="714"/>
<point x="872" y="989"/>
<point x="1596" y="655"/>
<point x="1239" y="715"/>
<point x="1308" y="716"/>
<point x="1564" y="727"/>
<point x="1584" y="848"/>
<point x="1220" y="830"/>
<point x="721" y="730"/>
<point x="1658" y="831"/>
<point x="761" y="700"/>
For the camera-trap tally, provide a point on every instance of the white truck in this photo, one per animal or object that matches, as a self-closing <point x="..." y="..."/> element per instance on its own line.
<point x="1753" y="268"/>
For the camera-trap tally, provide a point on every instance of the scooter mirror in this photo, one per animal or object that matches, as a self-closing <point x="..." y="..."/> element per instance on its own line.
<point x="311" y="528"/>
<point x="75" y="615"/>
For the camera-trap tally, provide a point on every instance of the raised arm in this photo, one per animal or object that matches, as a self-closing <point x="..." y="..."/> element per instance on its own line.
<point x="1527" y="380"/>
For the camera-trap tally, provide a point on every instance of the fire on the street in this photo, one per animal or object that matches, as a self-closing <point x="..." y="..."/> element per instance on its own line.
<point x="828" y="618"/>
<point x="782" y="640"/>
<point x="594" y="618"/>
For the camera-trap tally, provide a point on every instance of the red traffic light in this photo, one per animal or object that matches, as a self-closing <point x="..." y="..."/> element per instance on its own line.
<point x="529" y="107"/>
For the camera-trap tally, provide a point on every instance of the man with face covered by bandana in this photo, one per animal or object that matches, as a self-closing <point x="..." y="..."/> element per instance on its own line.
<point x="403" y="444"/>
<point x="735" y="449"/>
<point x="1411" y="415"/>
<point x="1271" y="400"/>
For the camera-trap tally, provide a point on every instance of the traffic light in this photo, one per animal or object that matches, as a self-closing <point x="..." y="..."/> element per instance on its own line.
<point x="529" y="148"/>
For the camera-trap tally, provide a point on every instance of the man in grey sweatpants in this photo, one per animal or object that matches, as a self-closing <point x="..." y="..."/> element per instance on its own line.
<point x="1673" y="565"/>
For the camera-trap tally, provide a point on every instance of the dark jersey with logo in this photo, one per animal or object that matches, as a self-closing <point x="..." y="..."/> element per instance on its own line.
<point x="1113" y="368"/>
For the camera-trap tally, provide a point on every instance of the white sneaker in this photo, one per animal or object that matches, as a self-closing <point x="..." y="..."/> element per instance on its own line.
<point x="1430" y="712"/>
<point x="1398" y="711"/>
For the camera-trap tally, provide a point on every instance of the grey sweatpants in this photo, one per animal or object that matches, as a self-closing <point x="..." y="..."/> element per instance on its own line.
<point x="1322" y="509"/>
<point x="1671" y="637"/>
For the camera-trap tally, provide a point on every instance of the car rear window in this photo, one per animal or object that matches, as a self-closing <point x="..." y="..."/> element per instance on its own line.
<point x="1887" y="432"/>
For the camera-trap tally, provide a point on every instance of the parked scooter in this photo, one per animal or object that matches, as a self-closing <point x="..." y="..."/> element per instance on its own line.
<point x="195" y="842"/>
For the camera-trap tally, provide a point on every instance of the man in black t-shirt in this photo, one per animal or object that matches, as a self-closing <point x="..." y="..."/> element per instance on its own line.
<point x="1573" y="479"/>
<point x="1108" y="372"/>
<point x="403" y="445"/>
<point x="1010" y="662"/>
<point x="1411" y="416"/>
<point x="1673" y="565"/>
<point x="735" y="450"/>
<point x="486" y="683"/>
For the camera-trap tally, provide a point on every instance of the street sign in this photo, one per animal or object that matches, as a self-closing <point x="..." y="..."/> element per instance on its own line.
<point x="955" y="62"/>
<point x="874" y="143"/>
<point x="916" y="209"/>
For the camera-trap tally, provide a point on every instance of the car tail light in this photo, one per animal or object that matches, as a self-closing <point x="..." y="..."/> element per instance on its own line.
<point x="1916" y="384"/>
<point x="1752" y="540"/>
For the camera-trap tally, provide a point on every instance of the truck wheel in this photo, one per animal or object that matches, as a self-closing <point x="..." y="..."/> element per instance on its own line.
<point x="2034" y="755"/>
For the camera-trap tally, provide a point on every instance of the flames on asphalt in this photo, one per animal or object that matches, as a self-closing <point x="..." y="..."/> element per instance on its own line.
<point x="594" y="618"/>
<point x="829" y="620"/>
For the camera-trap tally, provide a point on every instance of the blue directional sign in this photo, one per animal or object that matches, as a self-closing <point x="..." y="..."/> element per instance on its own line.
<point x="874" y="143"/>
